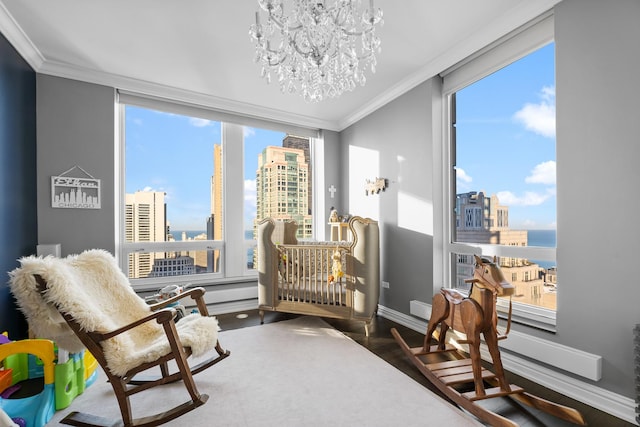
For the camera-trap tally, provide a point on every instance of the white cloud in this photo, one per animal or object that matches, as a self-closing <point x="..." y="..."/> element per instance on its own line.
<point x="199" y="123"/>
<point x="462" y="180"/>
<point x="461" y="175"/>
<point x="540" y="118"/>
<point x="530" y="198"/>
<point x="543" y="173"/>
<point x="248" y="132"/>
<point x="161" y="189"/>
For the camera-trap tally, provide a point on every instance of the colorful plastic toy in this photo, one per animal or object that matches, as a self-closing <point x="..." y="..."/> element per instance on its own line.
<point x="38" y="409"/>
<point x="65" y="377"/>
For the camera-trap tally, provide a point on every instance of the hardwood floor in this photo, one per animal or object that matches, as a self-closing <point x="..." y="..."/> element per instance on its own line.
<point x="382" y="344"/>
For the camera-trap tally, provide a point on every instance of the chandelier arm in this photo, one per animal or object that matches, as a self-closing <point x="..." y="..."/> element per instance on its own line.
<point x="299" y="51"/>
<point x="268" y="59"/>
<point x="296" y="47"/>
<point x="281" y="25"/>
<point x="358" y="33"/>
<point x="275" y="64"/>
<point x="366" y="56"/>
<point x="296" y="28"/>
<point x="275" y="20"/>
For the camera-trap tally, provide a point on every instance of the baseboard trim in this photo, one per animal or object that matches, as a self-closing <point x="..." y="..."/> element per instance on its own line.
<point x="597" y="397"/>
<point x="403" y="319"/>
<point x="222" y="301"/>
<point x="569" y="359"/>
<point x="232" y="307"/>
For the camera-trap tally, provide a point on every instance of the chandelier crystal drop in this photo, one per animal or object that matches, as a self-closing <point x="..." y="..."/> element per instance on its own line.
<point x="318" y="48"/>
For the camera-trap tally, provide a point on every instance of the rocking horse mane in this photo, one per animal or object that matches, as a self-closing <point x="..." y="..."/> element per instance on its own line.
<point x="487" y="275"/>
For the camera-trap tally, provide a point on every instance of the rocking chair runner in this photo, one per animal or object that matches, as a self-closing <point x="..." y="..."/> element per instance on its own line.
<point x="86" y="301"/>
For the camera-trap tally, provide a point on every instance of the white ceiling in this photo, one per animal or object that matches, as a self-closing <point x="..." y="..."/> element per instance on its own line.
<point x="200" y="51"/>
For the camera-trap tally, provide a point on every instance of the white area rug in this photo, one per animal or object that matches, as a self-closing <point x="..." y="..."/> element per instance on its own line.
<point x="300" y="372"/>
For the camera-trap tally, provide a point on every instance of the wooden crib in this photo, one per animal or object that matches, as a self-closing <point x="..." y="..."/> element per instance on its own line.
<point x="328" y="279"/>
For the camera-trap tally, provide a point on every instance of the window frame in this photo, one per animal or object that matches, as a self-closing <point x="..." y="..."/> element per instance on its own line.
<point x="503" y="52"/>
<point x="234" y="246"/>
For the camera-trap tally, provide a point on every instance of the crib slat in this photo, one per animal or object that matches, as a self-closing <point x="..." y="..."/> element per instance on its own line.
<point x="296" y="277"/>
<point x="304" y="275"/>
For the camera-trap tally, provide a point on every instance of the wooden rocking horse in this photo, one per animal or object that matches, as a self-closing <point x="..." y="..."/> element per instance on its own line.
<point x="474" y="315"/>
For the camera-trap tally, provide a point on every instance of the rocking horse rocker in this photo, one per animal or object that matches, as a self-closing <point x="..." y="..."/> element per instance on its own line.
<point x="472" y="316"/>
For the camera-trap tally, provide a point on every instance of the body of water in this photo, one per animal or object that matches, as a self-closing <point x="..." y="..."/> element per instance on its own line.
<point x="543" y="238"/>
<point x="190" y="234"/>
<point x="177" y="234"/>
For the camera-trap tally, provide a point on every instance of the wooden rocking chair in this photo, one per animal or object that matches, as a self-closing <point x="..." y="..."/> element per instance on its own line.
<point x="85" y="301"/>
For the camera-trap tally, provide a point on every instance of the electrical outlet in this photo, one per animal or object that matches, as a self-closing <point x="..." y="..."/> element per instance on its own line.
<point x="385" y="284"/>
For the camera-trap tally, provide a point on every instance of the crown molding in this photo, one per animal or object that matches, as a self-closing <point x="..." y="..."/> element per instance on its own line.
<point x="19" y="40"/>
<point x="32" y="55"/>
<point x="144" y="87"/>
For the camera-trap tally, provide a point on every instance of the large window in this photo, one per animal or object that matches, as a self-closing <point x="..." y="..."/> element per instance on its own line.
<point x="195" y="188"/>
<point x="501" y="192"/>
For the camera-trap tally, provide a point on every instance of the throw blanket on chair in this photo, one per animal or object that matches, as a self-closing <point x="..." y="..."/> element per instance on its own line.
<point x="93" y="290"/>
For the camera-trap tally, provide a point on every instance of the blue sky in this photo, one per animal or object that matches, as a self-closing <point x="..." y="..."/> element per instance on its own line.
<point x="174" y="154"/>
<point x="506" y="139"/>
<point x="505" y="146"/>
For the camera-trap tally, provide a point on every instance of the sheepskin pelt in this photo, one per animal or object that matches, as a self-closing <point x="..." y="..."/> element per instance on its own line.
<point x="92" y="288"/>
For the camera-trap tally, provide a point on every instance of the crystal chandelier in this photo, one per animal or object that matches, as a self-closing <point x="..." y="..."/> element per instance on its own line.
<point x="320" y="49"/>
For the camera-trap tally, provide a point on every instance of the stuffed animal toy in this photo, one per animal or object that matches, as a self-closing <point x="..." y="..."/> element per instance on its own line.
<point x="333" y="215"/>
<point x="336" y="267"/>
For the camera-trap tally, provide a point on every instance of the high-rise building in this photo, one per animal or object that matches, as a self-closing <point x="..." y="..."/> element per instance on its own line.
<point x="216" y="194"/>
<point x="481" y="219"/>
<point x="302" y="143"/>
<point x="145" y="221"/>
<point x="214" y="222"/>
<point x="282" y="187"/>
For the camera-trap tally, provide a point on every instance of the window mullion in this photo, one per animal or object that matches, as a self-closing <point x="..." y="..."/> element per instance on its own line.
<point x="235" y="253"/>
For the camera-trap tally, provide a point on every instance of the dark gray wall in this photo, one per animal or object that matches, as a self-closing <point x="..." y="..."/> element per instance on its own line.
<point x="76" y="127"/>
<point x="333" y="167"/>
<point x="18" y="226"/>
<point x="400" y="136"/>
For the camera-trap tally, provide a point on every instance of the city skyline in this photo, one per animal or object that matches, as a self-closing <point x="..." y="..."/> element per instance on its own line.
<point x="180" y="140"/>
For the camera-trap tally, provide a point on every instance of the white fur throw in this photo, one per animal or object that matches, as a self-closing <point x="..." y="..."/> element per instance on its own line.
<point x="94" y="291"/>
